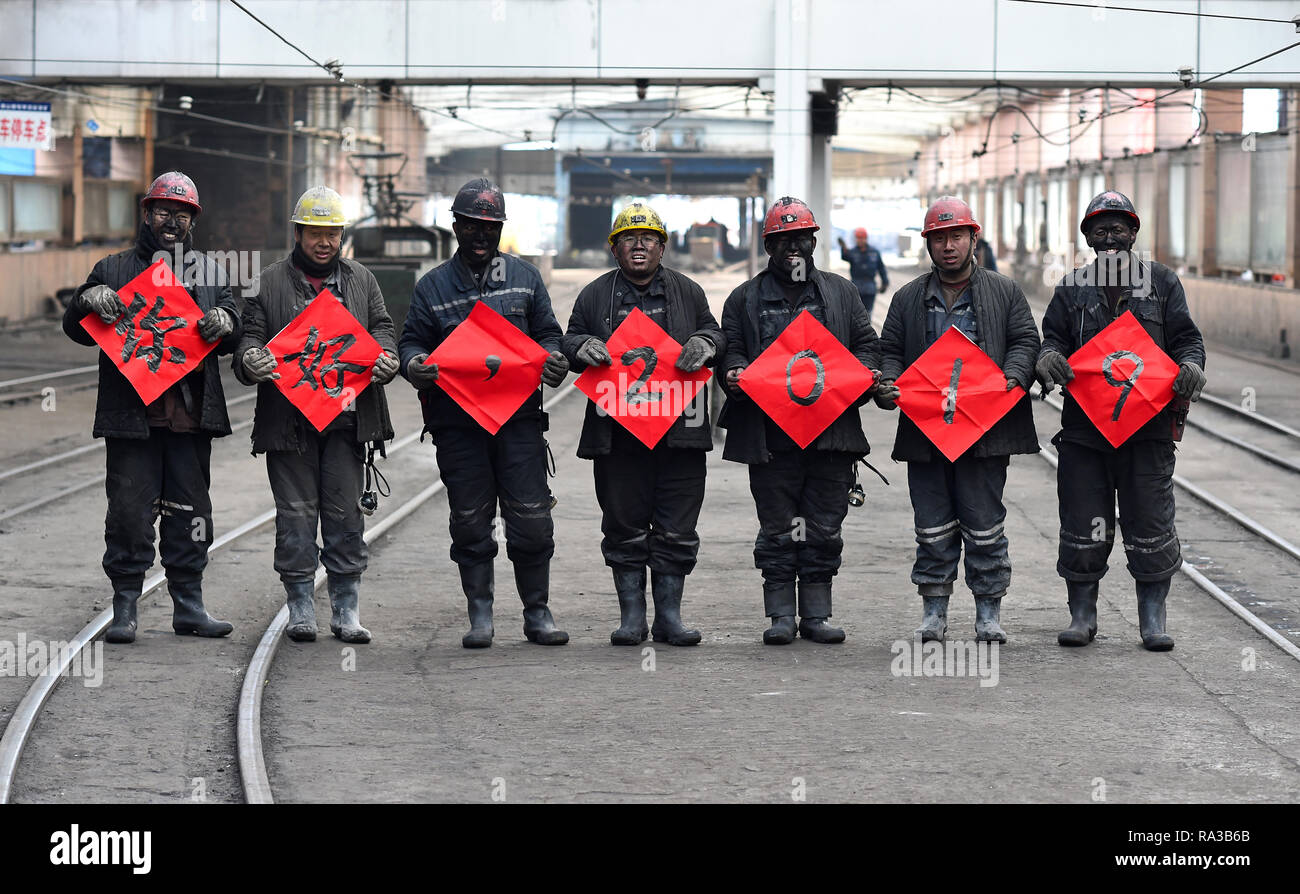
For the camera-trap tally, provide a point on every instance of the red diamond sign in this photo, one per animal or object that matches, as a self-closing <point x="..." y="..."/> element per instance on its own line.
<point x="805" y="379"/>
<point x="643" y="390"/>
<point x="1122" y="379"/>
<point x="955" y="393"/>
<point x="155" y="342"/>
<point x="325" y="359"/>
<point x="489" y="367"/>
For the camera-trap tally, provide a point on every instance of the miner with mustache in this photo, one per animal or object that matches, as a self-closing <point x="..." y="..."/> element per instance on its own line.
<point x="1140" y="471"/>
<point x="482" y="470"/>
<point x="317" y="476"/>
<point x="650" y="499"/>
<point x="795" y="489"/>
<point x="159" y="455"/>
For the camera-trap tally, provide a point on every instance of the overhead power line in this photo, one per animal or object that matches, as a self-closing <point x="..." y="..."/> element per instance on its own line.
<point x="1105" y="7"/>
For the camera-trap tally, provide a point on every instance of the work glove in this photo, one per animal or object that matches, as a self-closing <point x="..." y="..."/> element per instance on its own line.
<point x="733" y="381"/>
<point x="260" y="363"/>
<point x="886" y="394"/>
<point x="421" y="374"/>
<point x="384" y="369"/>
<point x="1053" y="369"/>
<point x="697" y="351"/>
<point x="1189" y="381"/>
<point x="594" y="353"/>
<point x="216" y="324"/>
<point x="103" y="301"/>
<point x="555" y="369"/>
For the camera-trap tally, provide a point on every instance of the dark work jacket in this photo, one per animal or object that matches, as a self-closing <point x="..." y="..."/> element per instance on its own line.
<point x="1005" y="331"/>
<point x="119" y="411"/>
<point x="687" y="315"/>
<point x="864" y="266"/>
<point x="443" y="299"/>
<point x="847" y="320"/>
<point x="1079" y="310"/>
<point x="282" y="294"/>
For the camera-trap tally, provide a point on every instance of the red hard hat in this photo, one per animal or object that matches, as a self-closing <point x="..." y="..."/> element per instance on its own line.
<point x="175" y="187"/>
<point x="1109" y="201"/>
<point x="860" y="233"/>
<point x="948" y="212"/>
<point x="788" y="214"/>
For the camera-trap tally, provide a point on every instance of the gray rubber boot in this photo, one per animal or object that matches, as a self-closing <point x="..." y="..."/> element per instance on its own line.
<point x="814" y="609"/>
<point x="778" y="603"/>
<point x="345" y="593"/>
<point x="668" y="627"/>
<point x="988" y="626"/>
<point x="189" y="617"/>
<point x="934" y="616"/>
<point x="126" y="596"/>
<point x="533" y="582"/>
<point x="1151" y="615"/>
<point x="632" y="629"/>
<point x="302" y="610"/>
<point x="1082" y="596"/>
<point x="477" y="581"/>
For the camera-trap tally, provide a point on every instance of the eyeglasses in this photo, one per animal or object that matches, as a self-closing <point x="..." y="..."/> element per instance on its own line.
<point x="646" y="240"/>
<point x="162" y="215"/>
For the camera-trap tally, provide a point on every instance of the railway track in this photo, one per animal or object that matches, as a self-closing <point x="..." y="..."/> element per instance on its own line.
<point x="17" y="733"/>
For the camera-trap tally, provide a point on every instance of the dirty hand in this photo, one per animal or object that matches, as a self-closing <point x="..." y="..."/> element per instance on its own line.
<point x="555" y="369"/>
<point x="733" y="380"/>
<point x="103" y="301"/>
<point x="886" y="393"/>
<point x="421" y="374"/>
<point x="384" y="369"/>
<point x="1053" y="369"/>
<point x="1189" y="381"/>
<point x="1012" y="382"/>
<point x="697" y="351"/>
<point x="216" y="324"/>
<point x="594" y="353"/>
<point x="260" y="363"/>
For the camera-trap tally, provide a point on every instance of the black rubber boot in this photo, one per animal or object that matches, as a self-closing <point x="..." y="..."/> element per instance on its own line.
<point x="778" y="603"/>
<point x="345" y="593"/>
<point x="1082" y="595"/>
<point x="1151" y="615"/>
<point x="934" y="617"/>
<point x="477" y="582"/>
<point x="189" y="617"/>
<point x="814" y="609"/>
<point x="302" y="610"/>
<point x="533" y="582"/>
<point x="632" y="629"/>
<point x="126" y="596"/>
<point x="668" y="627"/>
<point x="988" y="626"/>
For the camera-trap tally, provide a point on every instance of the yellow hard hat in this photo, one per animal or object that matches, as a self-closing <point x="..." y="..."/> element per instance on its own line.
<point x="320" y="206"/>
<point x="637" y="216"/>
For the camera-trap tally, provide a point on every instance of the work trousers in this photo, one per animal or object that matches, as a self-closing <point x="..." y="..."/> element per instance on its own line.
<point x="319" y="486"/>
<point x="955" y="504"/>
<point x="1088" y="481"/>
<point x="165" y="475"/>
<point x="801" y="497"/>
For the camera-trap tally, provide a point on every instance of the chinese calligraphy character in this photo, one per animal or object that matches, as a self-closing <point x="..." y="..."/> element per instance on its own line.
<point x="313" y="352"/>
<point x="155" y="352"/>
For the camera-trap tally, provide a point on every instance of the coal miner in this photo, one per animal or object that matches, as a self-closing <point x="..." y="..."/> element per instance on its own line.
<point x="958" y="504"/>
<point x="801" y="495"/>
<point x="158" y="455"/>
<point x="482" y="470"/>
<point x="317" y="476"/>
<point x="1092" y="473"/>
<point x="650" y="499"/>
